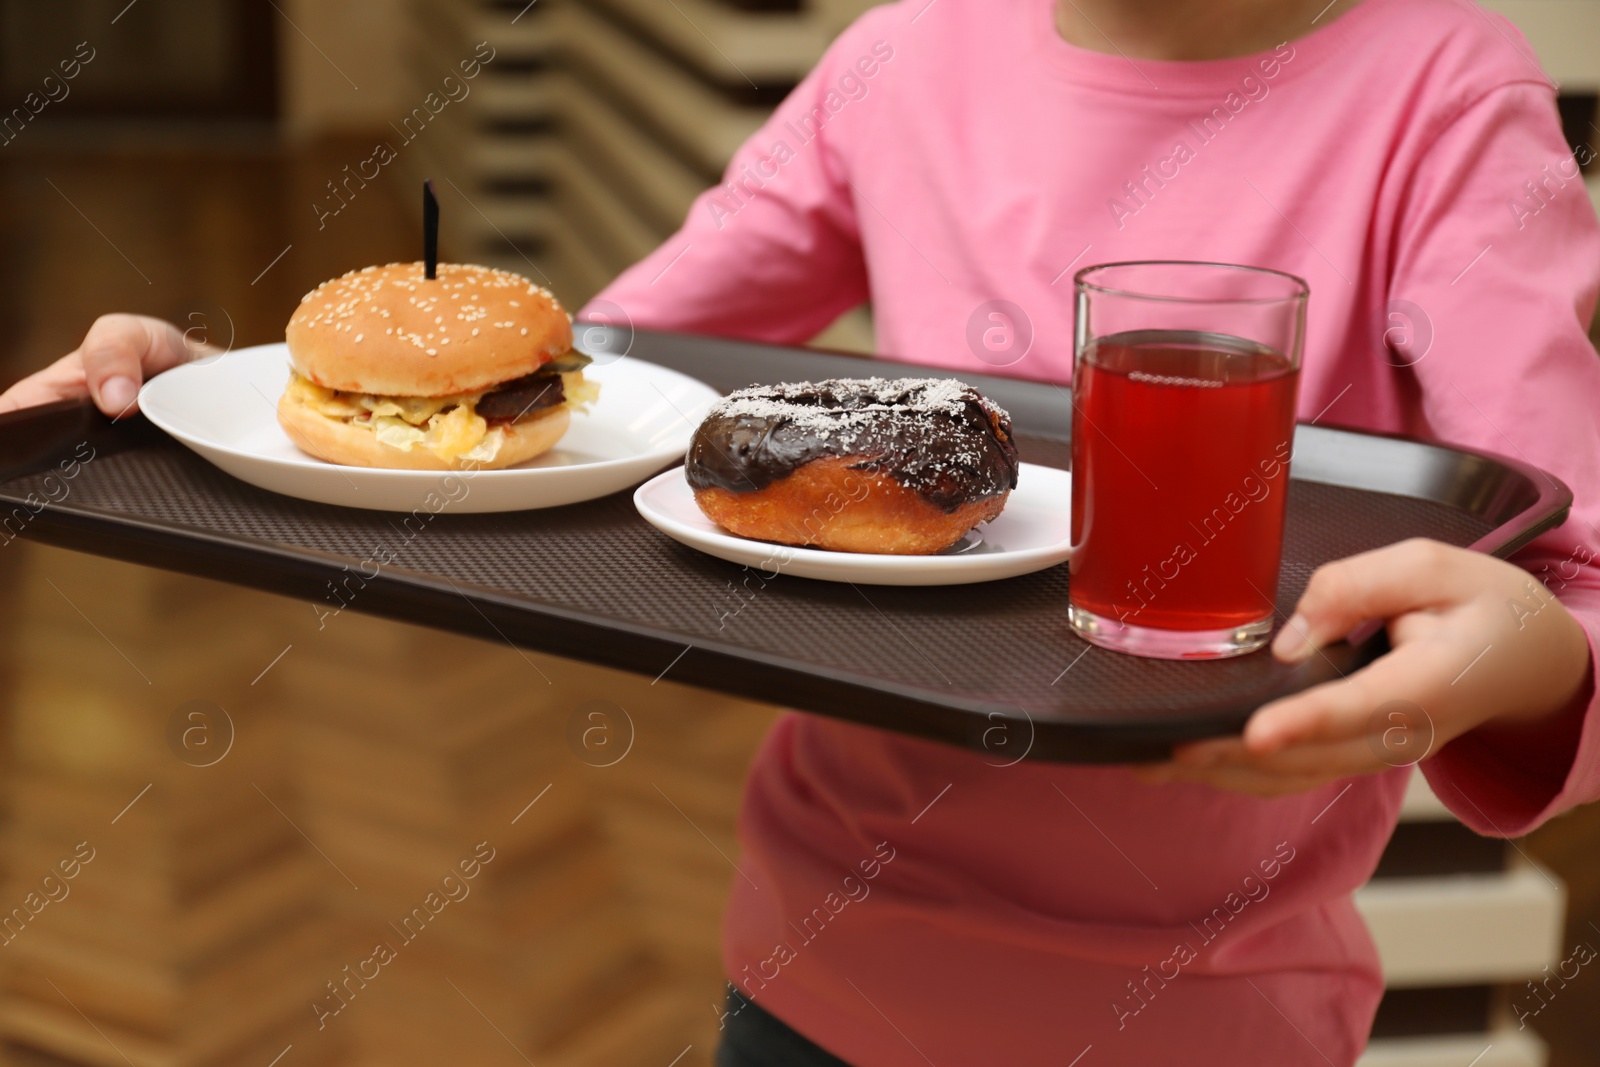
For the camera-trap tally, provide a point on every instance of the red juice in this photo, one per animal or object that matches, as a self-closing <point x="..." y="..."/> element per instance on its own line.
<point x="1180" y="449"/>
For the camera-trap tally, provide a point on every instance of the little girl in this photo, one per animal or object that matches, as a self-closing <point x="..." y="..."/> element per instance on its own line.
<point x="946" y="155"/>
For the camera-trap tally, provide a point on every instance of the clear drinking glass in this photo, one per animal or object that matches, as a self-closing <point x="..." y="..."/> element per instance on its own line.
<point x="1183" y="399"/>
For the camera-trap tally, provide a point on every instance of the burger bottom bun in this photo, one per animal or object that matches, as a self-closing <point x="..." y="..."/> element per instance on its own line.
<point x="354" y="446"/>
<point x="825" y="504"/>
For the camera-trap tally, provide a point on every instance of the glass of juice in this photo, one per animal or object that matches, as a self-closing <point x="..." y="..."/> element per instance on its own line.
<point x="1183" y="401"/>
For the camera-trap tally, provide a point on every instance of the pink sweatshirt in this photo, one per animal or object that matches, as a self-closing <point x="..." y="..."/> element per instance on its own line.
<point x="906" y="903"/>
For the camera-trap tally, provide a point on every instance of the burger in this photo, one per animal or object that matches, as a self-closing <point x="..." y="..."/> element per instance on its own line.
<point x="473" y="369"/>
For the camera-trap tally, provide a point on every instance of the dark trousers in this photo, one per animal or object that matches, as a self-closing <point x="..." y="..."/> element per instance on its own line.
<point x="756" y="1038"/>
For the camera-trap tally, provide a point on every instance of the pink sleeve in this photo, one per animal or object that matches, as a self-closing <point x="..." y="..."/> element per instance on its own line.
<point x="773" y="254"/>
<point x="1499" y="245"/>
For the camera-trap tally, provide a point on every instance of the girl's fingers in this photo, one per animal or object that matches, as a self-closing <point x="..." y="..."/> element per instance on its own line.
<point x="121" y="351"/>
<point x="1380" y="584"/>
<point x="1341" y="759"/>
<point x="1336" y="730"/>
<point x="1406" y="681"/>
<point x="1235" y="778"/>
<point x="62" y="380"/>
<point x="1210" y="752"/>
<point x="1335" y="759"/>
<point x="1450" y="612"/>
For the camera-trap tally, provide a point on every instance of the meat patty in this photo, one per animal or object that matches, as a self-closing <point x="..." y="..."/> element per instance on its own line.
<point x="523" y="397"/>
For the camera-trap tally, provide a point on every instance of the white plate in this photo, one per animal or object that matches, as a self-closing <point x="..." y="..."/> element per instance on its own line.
<point x="1032" y="533"/>
<point x="226" y="410"/>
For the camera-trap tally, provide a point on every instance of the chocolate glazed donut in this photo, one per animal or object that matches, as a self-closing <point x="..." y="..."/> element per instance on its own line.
<point x="906" y="467"/>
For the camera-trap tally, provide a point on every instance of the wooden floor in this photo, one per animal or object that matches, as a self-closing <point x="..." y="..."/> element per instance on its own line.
<point x="371" y="758"/>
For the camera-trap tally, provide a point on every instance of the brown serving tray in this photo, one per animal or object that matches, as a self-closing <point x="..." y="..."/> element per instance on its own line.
<point x="992" y="667"/>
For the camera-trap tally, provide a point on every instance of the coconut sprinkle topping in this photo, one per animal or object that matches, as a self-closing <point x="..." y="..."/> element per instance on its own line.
<point x="935" y="435"/>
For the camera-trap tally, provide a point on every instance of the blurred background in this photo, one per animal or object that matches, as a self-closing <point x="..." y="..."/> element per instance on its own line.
<point x="211" y="160"/>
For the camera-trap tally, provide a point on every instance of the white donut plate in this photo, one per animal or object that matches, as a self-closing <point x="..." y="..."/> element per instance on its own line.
<point x="225" y="408"/>
<point x="1032" y="533"/>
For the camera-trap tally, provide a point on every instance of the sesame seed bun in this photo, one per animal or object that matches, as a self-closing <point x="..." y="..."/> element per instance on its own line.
<point x="355" y="446"/>
<point x="390" y="331"/>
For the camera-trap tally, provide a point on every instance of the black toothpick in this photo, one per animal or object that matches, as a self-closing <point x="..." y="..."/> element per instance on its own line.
<point x="430" y="230"/>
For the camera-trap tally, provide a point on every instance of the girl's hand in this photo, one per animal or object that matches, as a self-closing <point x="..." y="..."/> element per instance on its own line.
<point x="118" y="353"/>
<point x="1474" y="638"/>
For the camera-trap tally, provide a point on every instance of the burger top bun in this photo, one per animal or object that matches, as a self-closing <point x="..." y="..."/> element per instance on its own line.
<point x="390" y="331"/>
